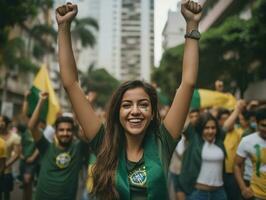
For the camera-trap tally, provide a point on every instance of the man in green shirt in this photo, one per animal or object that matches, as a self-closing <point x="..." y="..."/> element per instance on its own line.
<point x="60" y="161"/>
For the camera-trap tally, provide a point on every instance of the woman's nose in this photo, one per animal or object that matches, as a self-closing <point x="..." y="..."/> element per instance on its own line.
<point x="135" y="109"/>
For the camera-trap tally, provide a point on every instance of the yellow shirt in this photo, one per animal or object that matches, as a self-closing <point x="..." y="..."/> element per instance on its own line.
<point x="2" y="148"/>
<point x="231" y="142"/>
<point x="258" y="183"/>
<point x="11" y="142"/>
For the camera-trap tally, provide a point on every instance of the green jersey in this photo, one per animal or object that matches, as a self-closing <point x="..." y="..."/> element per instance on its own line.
<point x="137" y="172"/>
<point x="58" y="178"/>
<point x="28" y="144"/>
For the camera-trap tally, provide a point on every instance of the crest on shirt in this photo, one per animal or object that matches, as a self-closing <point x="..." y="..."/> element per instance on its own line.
<point x="63" y="160"/>
<point x="138" y="177"/>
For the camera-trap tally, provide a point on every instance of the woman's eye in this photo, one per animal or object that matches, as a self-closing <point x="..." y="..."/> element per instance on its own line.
<point x="144" y="105"/>
<point x="126" y="106"/>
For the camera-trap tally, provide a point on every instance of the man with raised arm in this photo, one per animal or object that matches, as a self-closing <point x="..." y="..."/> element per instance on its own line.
<point x="60" y="161"/>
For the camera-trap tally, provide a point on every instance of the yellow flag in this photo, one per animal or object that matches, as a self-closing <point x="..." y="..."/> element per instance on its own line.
<point x="42" y="82"/>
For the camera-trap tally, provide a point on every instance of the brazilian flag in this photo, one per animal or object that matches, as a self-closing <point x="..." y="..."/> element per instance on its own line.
<point x="51" y="108"/>
<point x="203" y="98"/>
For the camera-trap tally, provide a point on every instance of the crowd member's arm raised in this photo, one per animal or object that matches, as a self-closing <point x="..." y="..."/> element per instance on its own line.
<point x="230" y="121"/>
<point x="33" y="122"/>
<point x="84" y="112"/>
<point x="175" y="118"/>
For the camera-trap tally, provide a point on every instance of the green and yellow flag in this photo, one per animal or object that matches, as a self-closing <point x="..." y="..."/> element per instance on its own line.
<point x="203" y="98"/>
<point x="51" y="108"/>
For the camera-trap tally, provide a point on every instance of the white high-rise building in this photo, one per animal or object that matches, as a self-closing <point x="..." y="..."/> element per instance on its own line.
<point x="126" y="39"/>
<point x="109" y="36"/>
<point x="174" y="29"/>
<point x="89" y="56"/>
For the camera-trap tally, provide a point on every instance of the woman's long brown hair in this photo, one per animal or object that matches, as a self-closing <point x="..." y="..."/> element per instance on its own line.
<point x="114" y="138"/>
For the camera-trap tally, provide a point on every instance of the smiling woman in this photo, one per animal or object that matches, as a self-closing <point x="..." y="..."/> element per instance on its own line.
<point x="134" y="148"/>
<point x="203" y="160"/>
<point x="135" y="111"/>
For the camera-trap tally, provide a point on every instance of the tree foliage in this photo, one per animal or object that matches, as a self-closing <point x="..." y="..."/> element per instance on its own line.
<point x="234" y="51"/>
<point x="13" y="51"/>
<point x="100" y="81"/>
<point x="82" y="30"/>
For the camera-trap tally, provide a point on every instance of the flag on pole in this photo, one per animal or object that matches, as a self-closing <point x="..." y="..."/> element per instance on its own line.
<point x="51" y="108"/>
<point x="203" y="98"/>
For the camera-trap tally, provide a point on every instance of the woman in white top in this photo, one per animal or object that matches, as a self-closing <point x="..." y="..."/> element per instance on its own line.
<point x="202" y="168"/>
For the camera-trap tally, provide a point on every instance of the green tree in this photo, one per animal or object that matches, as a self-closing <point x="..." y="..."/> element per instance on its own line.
<point x="13" y="13"/>
<point x="15" y="52"/>
<point x="233" y="51"/>
<point x="82" y="31"/>
<point x="100" y="81"/>
<point x="12" y="49"/>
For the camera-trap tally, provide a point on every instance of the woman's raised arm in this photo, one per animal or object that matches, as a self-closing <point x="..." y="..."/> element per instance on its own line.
<point x="175" y="118"/>
<point x="86" y="116"/>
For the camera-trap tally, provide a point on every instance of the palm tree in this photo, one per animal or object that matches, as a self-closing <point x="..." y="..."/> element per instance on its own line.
<point x="82" y="32"/>
<point x="14" y="55"/>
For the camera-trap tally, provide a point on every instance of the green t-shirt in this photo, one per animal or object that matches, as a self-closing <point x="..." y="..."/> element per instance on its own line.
<point x="28" y="144"/>
<point x="137" y="177"/>
<point x="136" y="171"/>
<point x="58" y="178"/>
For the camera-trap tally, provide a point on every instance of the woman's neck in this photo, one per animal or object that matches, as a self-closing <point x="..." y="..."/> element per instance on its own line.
<point x="134" y="148"/>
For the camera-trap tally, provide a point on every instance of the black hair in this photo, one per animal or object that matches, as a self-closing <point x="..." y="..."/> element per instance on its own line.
<point x="6" y="119"/>
<point x="222" y="111"/>
<point x="64" y="119"/>
<point x="203" y="120"/>
<point x="261" y="114"/>
<point x="246" y="114"/>
<point x="193" y="110"/>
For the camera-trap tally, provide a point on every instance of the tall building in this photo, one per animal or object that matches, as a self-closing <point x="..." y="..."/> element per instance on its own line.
<point x="109" y="36"/>
<point x="174" y="29"/>
<point x="89" y="55"/>
<point x="136" y="39"/>
<point x="126" y="39"/>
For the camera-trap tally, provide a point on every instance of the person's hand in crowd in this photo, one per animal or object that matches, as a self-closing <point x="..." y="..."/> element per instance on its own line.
<point x="43" y="95"/>
<point x="66" y="13"/>
<point x="247" y="192"/>
<point x="191" y="11"/>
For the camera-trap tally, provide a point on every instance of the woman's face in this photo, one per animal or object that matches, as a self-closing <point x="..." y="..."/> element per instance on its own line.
<point x="135" y="111"/>
<point x="209" y="131"/>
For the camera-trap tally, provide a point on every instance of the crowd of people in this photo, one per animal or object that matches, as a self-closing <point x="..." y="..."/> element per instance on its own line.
<point x="213" y="153"/>
<point x="221" y="156"/>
